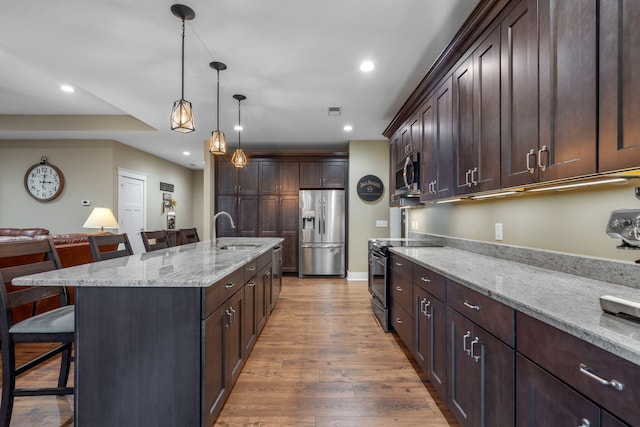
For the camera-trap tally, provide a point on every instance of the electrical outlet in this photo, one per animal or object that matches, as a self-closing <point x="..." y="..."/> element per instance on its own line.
<point x="414" y="225"/>
<point x="498" y="231"/>
<point x="382" y="223"/>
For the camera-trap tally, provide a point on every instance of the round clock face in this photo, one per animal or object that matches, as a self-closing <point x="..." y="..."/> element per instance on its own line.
<point x="44" y="182"/>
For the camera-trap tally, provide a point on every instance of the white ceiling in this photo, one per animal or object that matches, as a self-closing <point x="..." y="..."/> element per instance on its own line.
<point x="292" y="59"/>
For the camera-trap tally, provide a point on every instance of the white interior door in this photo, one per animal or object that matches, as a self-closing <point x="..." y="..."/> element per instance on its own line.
<point x="132" y="218"/>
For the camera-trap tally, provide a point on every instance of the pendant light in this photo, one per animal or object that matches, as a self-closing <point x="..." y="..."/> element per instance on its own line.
<point x="182" y="113"/>
<point x="239" y="159"/>
<point x="218" y="142"/>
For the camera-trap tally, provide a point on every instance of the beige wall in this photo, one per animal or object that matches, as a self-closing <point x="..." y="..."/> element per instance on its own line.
<point x="90" y="171"/>
<point x="366" y="158"/>
<point x="571" y="221"/>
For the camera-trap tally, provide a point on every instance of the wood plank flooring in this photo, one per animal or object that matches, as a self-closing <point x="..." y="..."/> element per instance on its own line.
<point x="322" y="360"/>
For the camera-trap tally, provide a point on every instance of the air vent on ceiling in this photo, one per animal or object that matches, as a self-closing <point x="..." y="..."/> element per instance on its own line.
<point x="334" y="111"/>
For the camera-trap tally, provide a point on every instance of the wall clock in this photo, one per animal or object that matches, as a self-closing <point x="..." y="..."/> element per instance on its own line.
<point x="43" y="181"/>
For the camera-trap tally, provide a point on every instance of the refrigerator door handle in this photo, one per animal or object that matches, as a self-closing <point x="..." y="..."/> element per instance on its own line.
<point x="320" y="245"/>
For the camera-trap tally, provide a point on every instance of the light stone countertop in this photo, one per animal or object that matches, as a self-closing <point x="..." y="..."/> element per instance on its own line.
<point x="565" y="301"/>
<point x="192" y="265"/>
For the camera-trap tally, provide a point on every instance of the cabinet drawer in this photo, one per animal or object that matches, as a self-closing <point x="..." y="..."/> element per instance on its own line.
<point x="402" y="293"/>
<point x="252" y="267"/>
<point x="401" y="266"/>
<point x="220" y="291"/>
<point x="430" y="281"/>
<point x="403" y="324"/>
<point x="491" y="315"/>
<point x="563" y="355"/>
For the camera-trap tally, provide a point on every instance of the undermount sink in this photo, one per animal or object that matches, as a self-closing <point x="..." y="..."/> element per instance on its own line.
<point x="239" y="246"/>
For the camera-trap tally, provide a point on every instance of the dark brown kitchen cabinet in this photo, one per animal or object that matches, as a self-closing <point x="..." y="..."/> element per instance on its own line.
<point x="430" y="343"/>
<point x="562" y="142"/>
<point x="579" y="364"/>
<point x="279" y="218"/>
<point x="243" y="210"/>
<point x="233" y="180"/>
<point x="436" y="117"/>
<point x="619" y="145"/>
<point x="393" y="167"/>
<point x="480" y="389"/>
<point x="276" y="177"/>
<point x="545" y="401"/>
<point x="323" y="174"/>
<point x="476" y="118"/>
<point x="401" y="291"/>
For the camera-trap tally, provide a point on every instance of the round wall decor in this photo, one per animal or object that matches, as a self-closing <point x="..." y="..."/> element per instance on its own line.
<point x="370" y="188"/>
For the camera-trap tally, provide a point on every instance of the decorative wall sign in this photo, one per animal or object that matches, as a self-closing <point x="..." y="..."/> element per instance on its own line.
<point x="370" y="188"/>
<point x="165" y="186"/>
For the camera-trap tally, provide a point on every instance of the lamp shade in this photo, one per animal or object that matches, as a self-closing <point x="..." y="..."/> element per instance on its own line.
<point x="217" y="143"/>
<point x="101" y="218"/>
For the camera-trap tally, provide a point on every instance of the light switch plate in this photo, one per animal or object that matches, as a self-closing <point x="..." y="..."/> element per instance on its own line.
<point x="498" y="231"/>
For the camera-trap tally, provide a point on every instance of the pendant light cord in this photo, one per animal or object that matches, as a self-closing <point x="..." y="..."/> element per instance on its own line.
<point x="218" y="103"/>
<point x="239" y="125"/>
<point x="182" y="96"/>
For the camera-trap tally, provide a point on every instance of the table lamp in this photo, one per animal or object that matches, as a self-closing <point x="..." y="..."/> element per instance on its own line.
<point x="101" y="218"/>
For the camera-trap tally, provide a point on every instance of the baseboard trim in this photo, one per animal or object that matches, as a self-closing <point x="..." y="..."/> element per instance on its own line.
<point x="357" y="276"/>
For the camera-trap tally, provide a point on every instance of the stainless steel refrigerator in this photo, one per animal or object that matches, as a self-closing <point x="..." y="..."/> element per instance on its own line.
<point x="322" y="225"/>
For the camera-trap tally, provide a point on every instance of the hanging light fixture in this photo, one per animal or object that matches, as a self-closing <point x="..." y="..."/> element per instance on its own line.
<point x="182" y="113"/>
<point x="218" y="142"/>
<point x="239" y="159"/>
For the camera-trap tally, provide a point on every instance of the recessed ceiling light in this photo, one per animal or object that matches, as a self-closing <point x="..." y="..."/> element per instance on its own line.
<point x="67" y="88"/>
<point x="367" y="66"/>
<point x="348" y="128"/>
<point x="186" y="153"/>
<point x="238" y="127"/>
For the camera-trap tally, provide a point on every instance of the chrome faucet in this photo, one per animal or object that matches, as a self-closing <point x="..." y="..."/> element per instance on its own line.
<point x="214" y="242"/>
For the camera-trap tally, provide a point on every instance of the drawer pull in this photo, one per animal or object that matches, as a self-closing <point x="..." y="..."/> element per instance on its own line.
<point x="426" y="312"/>
<point x="399" y="320"/>
<point x="464" y="342"/>
<point x="585" y="423"/>
<point x="252" y="268"/>
<point x="424" y="300"/>
<point x="472" y="306"/>
<point x="399" y="264"/>
<point x="229" y="285"/>
<point x="251" y="284"/>
<point x="399" y="289"/>
<point x="425" y="279"/>
<point x="613" y="383"/>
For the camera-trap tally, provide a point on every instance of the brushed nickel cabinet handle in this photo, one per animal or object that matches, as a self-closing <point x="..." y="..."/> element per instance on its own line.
<point x="585" y="423"/>
<point x="464" y="342"/>
<point x="472" y="306"/>
<point x="473" y="180"/>
<point x="229" y="285"/>
<point x="473" y="353"/>
<point x="425" y="279"/>
<point x="399" y="289"/>
<point x="399" y="320"/>
<point x="530" y="168"/>
<point x="613" y="383"/>
<point x="426" y="312"/>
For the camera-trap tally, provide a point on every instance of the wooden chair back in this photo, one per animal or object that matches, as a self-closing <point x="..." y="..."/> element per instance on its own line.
<point x="188" y="235"/>
<point x="154" y="240"/>
<point x="102" y="246"/>
<point x="43" y="257"/>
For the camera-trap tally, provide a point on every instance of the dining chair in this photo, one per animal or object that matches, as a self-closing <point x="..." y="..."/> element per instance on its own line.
<point x="188" y="235"/>
<point x="108" y="246"/>
<point x="154" y="240"/>
<point x="52" y="326"/>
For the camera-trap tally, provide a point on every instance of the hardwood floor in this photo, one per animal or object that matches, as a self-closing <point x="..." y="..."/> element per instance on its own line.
<point x="322" y="360"/>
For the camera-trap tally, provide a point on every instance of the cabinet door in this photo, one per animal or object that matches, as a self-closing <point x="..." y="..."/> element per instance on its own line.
<point x="268" y="221"/>
<point x="567" y="64"/>
<point x="619" y="85"/>
<point x="310" y="174"/>
<point x="261" y="299"/>
<point x="215" y="375"/>
<point x="289" y="178"/>
<point x="249" y="324"/>
<point x="519" y="78"/>
<point x="430" y="345"/>
<point x="247" y="223"/>
<point x="428" y="160"/>
<point x="463" y="119"/>
<point x="234" y="345"/>
<point x="545" y="401"/>
<point x="462" y="388"/>
<point x="288" y="218"/>
<point x="226" y="177"/>
<point x="227" y="203"/>
<point x="415" y="131"/>
<point x="333" y="174"/>
<point x="248" y="179"/>
<point x="486" y="147"/>
<point x="392" y="168"/>
<point x="444" y="140"/>
<point x="268" y="177"/>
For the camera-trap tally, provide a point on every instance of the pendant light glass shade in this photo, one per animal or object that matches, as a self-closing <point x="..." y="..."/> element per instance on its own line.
<point x="217" y="142"/>
<point x="182" y="113"/>
<point x="239" y="159"/>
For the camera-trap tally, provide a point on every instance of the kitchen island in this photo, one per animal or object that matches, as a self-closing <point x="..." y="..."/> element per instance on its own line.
<point x="162" y="336"/>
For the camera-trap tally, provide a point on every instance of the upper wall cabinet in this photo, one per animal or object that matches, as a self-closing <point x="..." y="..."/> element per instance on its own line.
<point x="619" y="85"/>
<point x="277" y="177"/>
<point x="323" y="174"/>
<point x="233" y="180"/>
<point x="555" y="138"/>
<point x="476" y="118"/>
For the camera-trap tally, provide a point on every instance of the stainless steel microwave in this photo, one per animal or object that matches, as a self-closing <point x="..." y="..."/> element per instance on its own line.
<point x="408" y="177"/>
